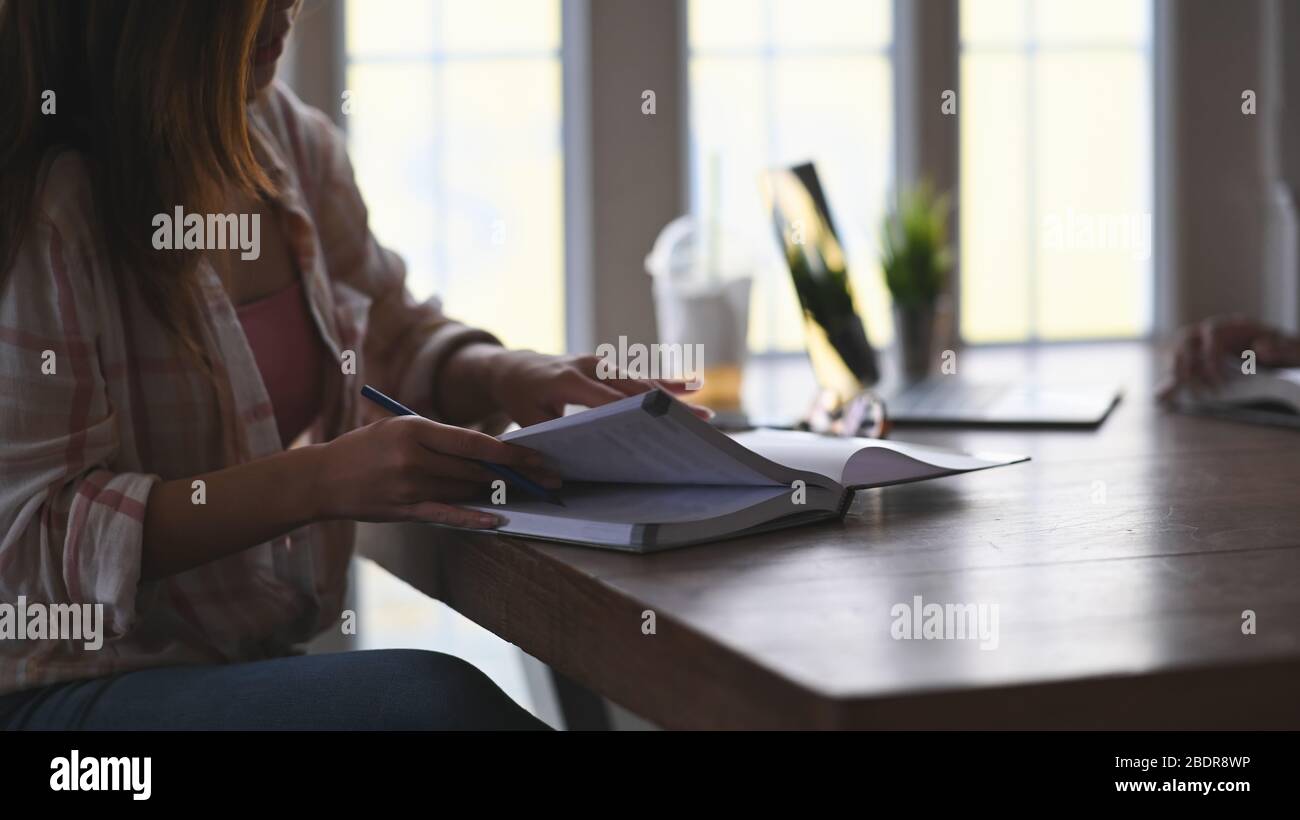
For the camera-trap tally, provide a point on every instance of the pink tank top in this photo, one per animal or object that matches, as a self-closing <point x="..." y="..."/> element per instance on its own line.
<point x="290" y="356"/>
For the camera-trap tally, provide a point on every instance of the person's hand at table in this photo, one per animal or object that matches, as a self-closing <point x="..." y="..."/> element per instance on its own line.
<point x="532" y="387"/>
<point x="1200" y="350"/>
<point x="408" y="468"/>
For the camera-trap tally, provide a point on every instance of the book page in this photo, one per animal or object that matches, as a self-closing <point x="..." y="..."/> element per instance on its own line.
<point x="860" y="462"/>
<point x="622" y="442"/>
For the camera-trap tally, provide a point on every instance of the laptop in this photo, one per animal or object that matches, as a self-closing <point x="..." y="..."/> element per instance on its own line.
<point x="806" y="231"/>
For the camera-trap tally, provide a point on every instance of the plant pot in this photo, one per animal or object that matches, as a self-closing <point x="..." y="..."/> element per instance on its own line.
<point x="914" y="335"/>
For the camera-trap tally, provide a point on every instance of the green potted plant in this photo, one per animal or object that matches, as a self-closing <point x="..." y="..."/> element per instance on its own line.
<point x="916" y="259"/>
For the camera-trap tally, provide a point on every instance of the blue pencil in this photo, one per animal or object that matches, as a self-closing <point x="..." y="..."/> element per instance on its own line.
<point x="532" y="488"/>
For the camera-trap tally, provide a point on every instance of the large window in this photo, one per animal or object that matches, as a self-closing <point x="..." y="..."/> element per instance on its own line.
<point x="776" y="82"/>
<point x="1056" y="169"/>
<point x="455" y="134"/>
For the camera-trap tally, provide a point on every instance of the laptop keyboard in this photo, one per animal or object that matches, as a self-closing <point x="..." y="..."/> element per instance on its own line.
<point x="949" y="396"/>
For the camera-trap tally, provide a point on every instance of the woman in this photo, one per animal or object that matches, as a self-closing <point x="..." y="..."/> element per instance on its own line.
<point x="150" y="396"/>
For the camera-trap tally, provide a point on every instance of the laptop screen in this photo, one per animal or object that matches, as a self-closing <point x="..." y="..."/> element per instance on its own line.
<point x="812" y="250"/>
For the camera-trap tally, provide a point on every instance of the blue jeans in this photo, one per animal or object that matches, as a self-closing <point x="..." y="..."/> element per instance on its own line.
<point x="380" y="689"/>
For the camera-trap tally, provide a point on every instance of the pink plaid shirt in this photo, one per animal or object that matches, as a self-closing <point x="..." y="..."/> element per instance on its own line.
<point x="81" y="447"/>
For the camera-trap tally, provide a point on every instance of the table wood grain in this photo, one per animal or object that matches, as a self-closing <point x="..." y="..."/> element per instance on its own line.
<point x="1121" y="561"/>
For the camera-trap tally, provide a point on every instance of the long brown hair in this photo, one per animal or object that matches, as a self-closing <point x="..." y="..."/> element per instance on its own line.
<point x="154" y="96"/>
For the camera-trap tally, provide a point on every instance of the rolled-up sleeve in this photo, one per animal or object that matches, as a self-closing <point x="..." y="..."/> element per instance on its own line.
<point x="71" y="527"/>
<point x="407" y="341"/>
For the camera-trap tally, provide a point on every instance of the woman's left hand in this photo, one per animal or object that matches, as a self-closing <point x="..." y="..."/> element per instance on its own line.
<point x="533" y="387"/>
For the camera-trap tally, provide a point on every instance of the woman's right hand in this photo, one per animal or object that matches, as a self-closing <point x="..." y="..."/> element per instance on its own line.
<point x="1201" y="349"/>
<point x="409" y="468"/>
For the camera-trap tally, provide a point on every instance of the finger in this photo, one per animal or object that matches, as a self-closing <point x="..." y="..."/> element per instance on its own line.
<point x="1207" y="365"/>
<point x="447" y="489"/>
<point x="1184" y="348"/>
<point x="1182" y="370"/>
<point x="1285" y="351"/>
<point x="1166" y="392"/>
<point x="1275" y="349"/>
<point x="680" y="385"/>
<point x="547" y="478"/>
<point x="434" y="512"/>
<point x="589" y="366"/>
<point x="630" y="387"/>
<point x="580" y="389"/>
<point x="702" y="411"/>
<point x="463" y="443"/>
<point x="536" y="415"/>
<point x="1266" y="350"/>
<point x="434" y="465"/>
<point x="437" y="466"/>
<point x="633" y="387"/>
<point x="1186" y="355"/>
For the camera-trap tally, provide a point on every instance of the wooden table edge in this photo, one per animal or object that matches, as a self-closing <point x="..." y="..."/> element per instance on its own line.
<point x="502" y="583"/>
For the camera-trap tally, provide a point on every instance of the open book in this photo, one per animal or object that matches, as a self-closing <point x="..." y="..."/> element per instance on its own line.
<point x="1265" y="397"/>
<point x="645" y="474"/>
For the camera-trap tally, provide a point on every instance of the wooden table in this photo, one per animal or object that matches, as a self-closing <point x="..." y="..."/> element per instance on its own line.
<point x="1121" y="561"/>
